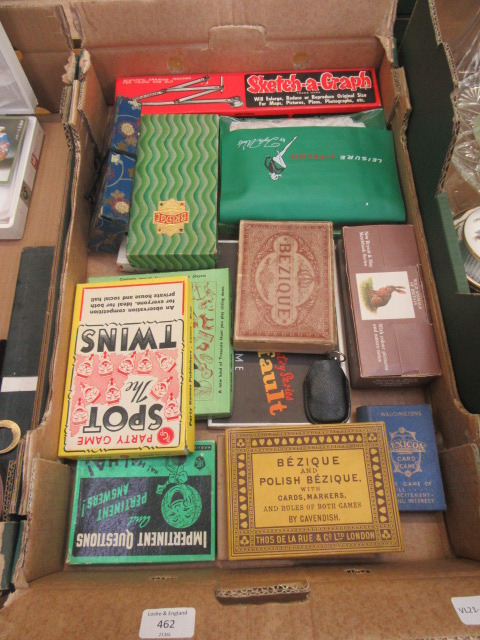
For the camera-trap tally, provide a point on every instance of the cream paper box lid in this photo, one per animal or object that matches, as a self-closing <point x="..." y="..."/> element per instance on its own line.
<point x="320" y="490"/>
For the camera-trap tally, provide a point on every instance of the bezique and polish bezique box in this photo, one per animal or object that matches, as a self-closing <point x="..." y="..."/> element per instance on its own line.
<point x="310" y="491"/>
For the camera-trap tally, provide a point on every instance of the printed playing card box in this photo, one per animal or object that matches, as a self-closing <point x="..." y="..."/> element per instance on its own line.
<point x="255" y="94"/>
<point x="390" y="338"/>
<point x="413" y="452"/>
<point x="311" y="491"/>
<point x="273" y="381"/>
<point x="212" y="345"/>
<point x="129" y="388"/>
<point x="123" y="127"/>
<point x="173" y="215"/>
<point x="144" y="510"/>
<point x="111" y="213"/>
<point x="285" y="288"/>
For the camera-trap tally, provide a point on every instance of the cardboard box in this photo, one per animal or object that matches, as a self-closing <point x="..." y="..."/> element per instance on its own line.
<point x="112" y="209"/>
<point x="129" y="385"/>
<point x="255" y="94"/>
<point x="390" y="339"/>
<point x="406" y="595"/>
<point x="173" y="214"/>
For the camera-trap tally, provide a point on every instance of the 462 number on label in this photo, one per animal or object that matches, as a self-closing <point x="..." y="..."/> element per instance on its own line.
<point x="168" y="623"/>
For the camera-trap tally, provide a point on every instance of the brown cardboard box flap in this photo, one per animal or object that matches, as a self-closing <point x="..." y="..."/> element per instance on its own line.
<point x="42" y="548"/>
<point x="43" y="221"/>
<point x="91" y="103"/>
<point x="461" y="479"/>
<point x="383" y="599"/>
<point x="167" y="23"/>
<point x="269" y="40"/>
<point x="43" y="441"/>
<point x="41" y="35"/>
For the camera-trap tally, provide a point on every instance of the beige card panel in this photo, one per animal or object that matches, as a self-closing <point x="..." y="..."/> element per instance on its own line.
<point x="42" y="549"/>
<point x="186" y="21"/>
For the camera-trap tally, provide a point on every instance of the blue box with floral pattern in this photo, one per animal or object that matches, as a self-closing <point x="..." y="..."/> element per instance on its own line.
<point x="112" y="210"/>
<point x="122" y="131"/>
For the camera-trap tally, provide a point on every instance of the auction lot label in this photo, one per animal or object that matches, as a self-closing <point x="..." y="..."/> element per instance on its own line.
<point x="302" y="491"/>
<point x="168" y="623"/>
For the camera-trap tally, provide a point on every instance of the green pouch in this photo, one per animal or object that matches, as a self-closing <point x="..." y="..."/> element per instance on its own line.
<point x="347" y="175"/>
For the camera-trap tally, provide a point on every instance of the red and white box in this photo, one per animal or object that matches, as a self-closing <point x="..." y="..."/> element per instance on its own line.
<point x="255" y="94"/>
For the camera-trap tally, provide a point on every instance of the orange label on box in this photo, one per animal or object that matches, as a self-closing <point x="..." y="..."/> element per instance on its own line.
<point x="171" y="217"/>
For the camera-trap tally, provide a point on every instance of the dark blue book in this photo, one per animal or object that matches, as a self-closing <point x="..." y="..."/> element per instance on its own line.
<point x="413" y="452"/>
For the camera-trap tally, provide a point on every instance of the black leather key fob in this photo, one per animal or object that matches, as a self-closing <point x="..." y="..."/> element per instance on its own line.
<point x="326" y="391"/>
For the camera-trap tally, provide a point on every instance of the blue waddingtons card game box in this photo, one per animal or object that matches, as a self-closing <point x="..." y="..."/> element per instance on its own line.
<point x="144" y="510"/>
<point x="413" y="452"/>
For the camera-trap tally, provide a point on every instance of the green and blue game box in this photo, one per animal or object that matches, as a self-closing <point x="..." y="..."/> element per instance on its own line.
<point x="144" y="510"/>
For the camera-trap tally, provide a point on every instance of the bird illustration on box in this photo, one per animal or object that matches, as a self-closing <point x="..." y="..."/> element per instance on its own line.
<point x="376" y="298"/>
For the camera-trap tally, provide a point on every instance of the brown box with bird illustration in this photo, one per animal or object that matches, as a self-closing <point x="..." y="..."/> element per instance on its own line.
<point x="390" y="334"/>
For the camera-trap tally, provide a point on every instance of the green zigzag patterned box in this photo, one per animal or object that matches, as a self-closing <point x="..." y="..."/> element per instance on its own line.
<point x="173" y="215"/>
